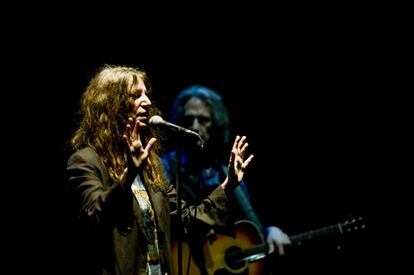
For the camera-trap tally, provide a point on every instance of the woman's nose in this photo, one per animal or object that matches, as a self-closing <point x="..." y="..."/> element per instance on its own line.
<point x="145" y="100"/>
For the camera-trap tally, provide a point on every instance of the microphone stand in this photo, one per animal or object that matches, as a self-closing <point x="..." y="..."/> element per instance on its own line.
<point x="182" y="139"/>
<point x="178" y="176"/>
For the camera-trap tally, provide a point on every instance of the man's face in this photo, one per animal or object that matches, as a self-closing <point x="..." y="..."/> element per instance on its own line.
<point x="197" y="117"/>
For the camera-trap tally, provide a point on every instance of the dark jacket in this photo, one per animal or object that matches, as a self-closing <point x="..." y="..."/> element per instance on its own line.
<point x="110" y="225"/>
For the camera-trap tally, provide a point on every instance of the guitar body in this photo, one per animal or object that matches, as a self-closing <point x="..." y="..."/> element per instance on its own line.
<point x="226" y="254"/>
<point x="189" y="265"/>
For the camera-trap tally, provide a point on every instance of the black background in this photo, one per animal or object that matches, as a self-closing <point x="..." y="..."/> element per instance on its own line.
<point x="312" y="97"/>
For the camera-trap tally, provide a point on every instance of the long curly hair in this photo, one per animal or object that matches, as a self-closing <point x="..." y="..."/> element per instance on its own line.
<point x="104" y="111"/>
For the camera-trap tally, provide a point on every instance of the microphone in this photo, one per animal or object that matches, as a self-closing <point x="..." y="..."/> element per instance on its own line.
<point x="159" y="121"/>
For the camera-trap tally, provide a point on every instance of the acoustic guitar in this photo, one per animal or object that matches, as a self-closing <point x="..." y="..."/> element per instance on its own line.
<point x="241" y="251"/>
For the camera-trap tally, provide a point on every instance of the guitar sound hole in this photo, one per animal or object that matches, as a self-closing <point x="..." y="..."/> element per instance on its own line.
<point x="234" y="257"/>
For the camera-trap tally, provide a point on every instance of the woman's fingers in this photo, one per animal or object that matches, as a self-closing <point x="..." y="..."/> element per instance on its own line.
<point x="149" y="145"/>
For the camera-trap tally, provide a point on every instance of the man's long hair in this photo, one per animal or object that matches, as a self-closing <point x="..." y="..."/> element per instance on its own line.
<point x="104" y="112"/>
<point x="220" y="133"/>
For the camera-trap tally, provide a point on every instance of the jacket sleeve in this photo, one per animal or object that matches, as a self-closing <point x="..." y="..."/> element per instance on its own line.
<point x="212" y="212"/>
<point x="98" y="202"/>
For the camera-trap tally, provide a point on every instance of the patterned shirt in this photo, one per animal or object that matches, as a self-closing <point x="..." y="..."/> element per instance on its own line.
<point x="150" y="232"/>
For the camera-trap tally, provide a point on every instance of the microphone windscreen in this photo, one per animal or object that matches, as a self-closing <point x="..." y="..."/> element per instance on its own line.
<point x="155" y="120"/>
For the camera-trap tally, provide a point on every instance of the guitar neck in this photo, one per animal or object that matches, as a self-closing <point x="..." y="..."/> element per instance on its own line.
<point x="260" y="250"/>
<point x="317" y="233"/>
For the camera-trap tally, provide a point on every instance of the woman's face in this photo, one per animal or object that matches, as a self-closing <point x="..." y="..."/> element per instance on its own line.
<point x="140" y="102"/>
